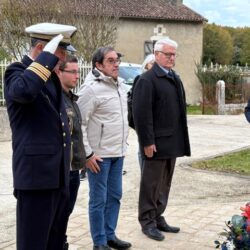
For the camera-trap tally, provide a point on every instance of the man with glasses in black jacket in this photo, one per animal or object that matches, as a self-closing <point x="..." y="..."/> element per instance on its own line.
<point x="68" y="74"/>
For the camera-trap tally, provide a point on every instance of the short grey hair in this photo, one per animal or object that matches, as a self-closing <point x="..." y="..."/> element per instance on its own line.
<point x="165" y="41"/>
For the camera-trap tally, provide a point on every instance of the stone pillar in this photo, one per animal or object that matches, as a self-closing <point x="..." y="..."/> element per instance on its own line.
<point x="5" y="132"/>
<point x="220" y="97"/>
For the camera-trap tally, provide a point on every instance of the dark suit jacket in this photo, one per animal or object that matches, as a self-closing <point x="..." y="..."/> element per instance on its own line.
<point x="39" y="124"/>
<point x="247" y="111"/>
<point x="159" y="111"/>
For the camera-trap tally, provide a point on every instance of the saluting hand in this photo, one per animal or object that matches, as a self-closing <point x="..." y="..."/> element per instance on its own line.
<point x="149" y="150"/>
<point x="92" y="164"/>
<point x="52" y="45"/>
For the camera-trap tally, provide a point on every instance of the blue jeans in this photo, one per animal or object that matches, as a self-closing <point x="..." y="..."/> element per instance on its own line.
<point x="105" y="192"/>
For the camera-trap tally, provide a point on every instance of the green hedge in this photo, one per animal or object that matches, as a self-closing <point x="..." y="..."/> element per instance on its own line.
<point x="229" y="74"/>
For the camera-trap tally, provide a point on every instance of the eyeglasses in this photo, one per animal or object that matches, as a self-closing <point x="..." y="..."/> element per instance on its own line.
<point x="73" y="72"/>
<point x="113" y="61"/>
<point x="168" y="55"/>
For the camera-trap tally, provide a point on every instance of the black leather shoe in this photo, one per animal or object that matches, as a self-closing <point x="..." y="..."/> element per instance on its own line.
<point x="119" y="244"/>
<point x="168" y="229"/>
<point x="102" y="247"/>
<point x="153" y="233"/>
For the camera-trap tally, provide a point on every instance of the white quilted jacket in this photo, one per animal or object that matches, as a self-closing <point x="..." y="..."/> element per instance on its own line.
<point x="103" y="105"/>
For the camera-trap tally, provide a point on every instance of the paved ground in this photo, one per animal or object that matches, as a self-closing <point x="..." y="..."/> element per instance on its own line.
<point x="200" y="201"/>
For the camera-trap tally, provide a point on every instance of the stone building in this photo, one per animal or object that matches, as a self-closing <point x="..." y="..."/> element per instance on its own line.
<point x="142" y="21"/>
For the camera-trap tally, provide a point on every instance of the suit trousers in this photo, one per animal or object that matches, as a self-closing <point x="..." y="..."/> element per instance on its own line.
<point x="41" y="218"/>
<point x="154" y="191"/>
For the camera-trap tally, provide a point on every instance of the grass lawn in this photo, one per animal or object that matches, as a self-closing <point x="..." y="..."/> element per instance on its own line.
<point x="197" y="110"/>
<point x="194" y="110"/>
<point x="238" y="162"/>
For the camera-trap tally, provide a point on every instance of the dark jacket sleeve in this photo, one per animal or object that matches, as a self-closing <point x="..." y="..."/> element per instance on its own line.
<point x="24" y="84"/>
<point x="247" y="111"/>
<point x="142" y="111"/>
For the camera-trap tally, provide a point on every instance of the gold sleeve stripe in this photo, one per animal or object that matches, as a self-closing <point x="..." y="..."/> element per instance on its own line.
<point x="37" y="69"/>
<point x="37" y="72"/>
<point x="40" y="67"/>
<point x="40" y="70"/>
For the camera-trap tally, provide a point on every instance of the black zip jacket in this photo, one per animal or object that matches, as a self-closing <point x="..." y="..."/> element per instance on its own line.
<point x="78" y="155"/>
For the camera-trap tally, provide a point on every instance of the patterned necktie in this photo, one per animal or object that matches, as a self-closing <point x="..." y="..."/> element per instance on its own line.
<point x="170" y="73"/>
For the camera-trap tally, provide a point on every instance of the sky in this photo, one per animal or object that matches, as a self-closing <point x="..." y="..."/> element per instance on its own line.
<point x="233" y="13"/>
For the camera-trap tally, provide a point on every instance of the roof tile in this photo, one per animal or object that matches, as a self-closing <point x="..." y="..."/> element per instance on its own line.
<point x="146" y="9"/>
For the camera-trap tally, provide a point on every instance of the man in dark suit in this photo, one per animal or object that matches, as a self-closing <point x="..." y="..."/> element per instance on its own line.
<point x="40" y="138"/>
<point x="159" y="111"/>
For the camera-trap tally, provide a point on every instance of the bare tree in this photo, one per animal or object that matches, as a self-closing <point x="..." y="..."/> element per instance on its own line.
<point x="10" y="32"/>
<point x="96" y="23"/>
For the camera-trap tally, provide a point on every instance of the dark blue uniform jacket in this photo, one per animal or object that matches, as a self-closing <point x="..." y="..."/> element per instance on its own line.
<point x="39" y="124"/>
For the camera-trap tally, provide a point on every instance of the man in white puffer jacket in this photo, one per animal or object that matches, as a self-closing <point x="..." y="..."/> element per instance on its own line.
<point x="103" y="105"/>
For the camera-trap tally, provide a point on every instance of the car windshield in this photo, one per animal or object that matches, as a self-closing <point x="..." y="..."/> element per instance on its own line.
<point x="128" y="73"/>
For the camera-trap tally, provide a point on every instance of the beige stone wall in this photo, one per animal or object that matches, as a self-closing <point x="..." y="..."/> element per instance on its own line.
<point x="133" y="33"/>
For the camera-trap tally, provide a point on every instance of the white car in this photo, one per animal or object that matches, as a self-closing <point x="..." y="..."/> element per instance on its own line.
<point x="128" y="71"/>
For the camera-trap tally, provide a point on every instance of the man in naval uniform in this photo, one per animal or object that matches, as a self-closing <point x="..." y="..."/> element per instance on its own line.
<point x="40" y="139"/>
